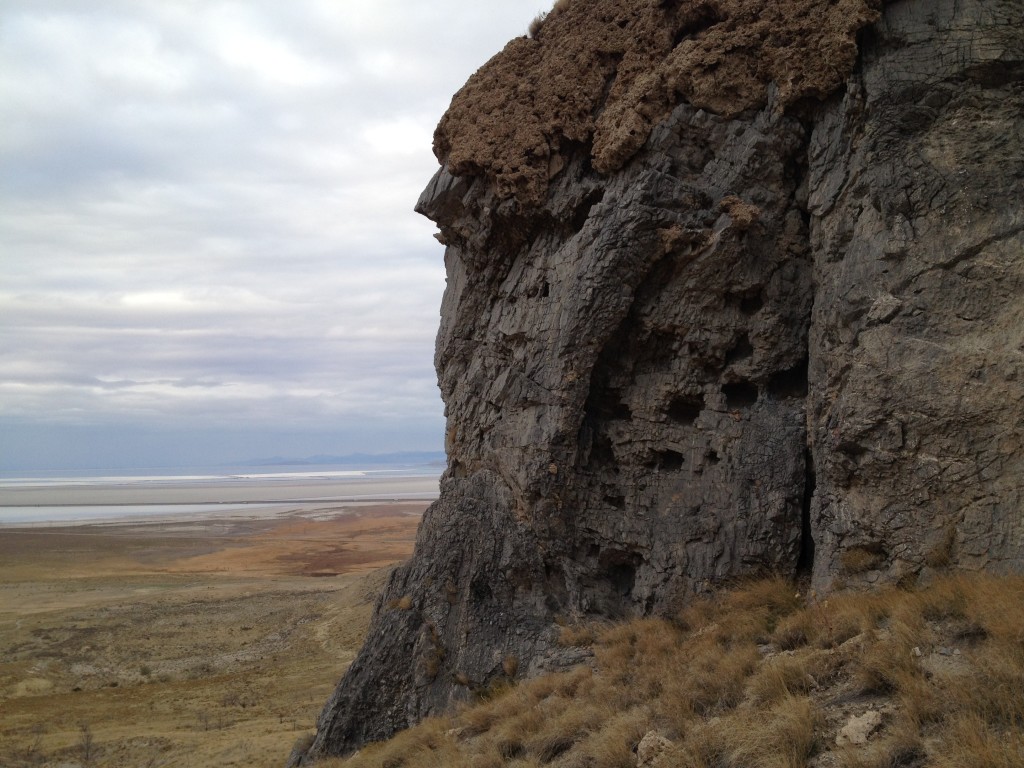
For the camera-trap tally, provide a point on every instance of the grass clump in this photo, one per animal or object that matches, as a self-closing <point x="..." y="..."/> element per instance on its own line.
<point x="535" y="26"/>
<point x="403" y="603"/>
<point x="860" y="560"/>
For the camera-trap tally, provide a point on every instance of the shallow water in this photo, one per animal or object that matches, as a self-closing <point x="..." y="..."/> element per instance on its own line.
<point x="68" y="497"/>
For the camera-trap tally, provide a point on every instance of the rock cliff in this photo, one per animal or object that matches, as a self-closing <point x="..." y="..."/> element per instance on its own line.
<point x="733" y="286"/>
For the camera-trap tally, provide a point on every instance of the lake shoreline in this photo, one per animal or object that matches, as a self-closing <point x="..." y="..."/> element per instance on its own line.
<point x="68" y="501"/>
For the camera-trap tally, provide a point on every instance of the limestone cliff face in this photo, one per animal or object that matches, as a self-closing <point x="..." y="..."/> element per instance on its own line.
<point x="726" y="293"/>
<point x="916" y="196"/>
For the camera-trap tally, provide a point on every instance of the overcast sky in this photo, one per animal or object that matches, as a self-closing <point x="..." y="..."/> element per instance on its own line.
<point x="207" y="244"/>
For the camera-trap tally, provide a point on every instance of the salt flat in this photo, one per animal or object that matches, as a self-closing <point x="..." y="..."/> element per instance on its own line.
<point x="219" y="490"/>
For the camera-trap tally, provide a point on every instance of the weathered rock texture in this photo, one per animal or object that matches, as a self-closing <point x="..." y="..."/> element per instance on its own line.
<point x="723" y="296"/>
<point x="916" y="195"/>
<point x="602" y="72"/>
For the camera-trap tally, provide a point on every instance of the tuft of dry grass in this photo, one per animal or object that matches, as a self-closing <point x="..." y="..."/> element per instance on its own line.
<point x="942" y="554"/>
<point x="577" y="635"/>
<point x="779" y="678"/>
<point x="536" y="25"/>
<point x="510" y="665"/>
<point x="533" y="30"/>
<point x="782" y="736"/>
<point x="859" y="560"/>
<point x="403" y="603"/>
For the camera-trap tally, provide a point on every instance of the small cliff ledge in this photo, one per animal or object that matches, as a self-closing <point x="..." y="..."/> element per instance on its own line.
<point x="733" y="286"/>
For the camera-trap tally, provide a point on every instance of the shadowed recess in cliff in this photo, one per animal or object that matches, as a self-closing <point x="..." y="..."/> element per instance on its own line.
<point x="603" y="72"/>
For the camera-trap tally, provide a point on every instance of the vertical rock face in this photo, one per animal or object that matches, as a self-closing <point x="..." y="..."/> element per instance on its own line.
<point x="722" y="298"/>
<point x="917" y="335"/>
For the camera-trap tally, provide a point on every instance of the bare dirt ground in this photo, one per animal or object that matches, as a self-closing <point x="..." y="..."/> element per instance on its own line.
<point x="187" y="643"/>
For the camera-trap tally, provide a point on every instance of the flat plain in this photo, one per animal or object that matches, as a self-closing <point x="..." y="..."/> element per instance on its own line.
<point x="185" y="642"/>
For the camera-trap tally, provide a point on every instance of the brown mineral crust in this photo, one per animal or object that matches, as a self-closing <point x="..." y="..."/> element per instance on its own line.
<point x="603" y="72"/>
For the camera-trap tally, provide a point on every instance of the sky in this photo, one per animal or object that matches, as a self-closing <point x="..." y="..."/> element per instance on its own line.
<point x="208" y="251"/>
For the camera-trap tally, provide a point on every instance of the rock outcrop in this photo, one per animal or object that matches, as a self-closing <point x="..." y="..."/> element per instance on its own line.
<point x="916" y="196"/>
<point x="727" y="293"/>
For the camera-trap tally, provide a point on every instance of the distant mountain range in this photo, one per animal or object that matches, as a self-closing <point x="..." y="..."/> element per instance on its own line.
<point x="361" y="460"/>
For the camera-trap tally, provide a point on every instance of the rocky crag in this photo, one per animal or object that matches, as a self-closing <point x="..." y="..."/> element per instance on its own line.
<point x="733" y="286"/>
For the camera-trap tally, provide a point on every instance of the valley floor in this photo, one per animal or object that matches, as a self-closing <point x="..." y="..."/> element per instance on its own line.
<point x="186" y="643"/>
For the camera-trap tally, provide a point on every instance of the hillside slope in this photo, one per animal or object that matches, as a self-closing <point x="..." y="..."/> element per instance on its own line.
<point x="756" y="679"/>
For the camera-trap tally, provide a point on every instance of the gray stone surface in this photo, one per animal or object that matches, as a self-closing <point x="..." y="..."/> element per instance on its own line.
<point x="790" y="339"/>
<point x="917" y="336"/>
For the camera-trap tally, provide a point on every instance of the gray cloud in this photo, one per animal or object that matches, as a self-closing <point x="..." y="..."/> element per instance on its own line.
<point x="206" y="220"/>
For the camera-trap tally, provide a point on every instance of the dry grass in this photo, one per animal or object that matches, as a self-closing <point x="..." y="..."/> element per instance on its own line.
<point x="404" y="603"/>
<point x="972" y="742"/>
<point x="750" y="678"/>
<point x="577" y="635"/>
<point x="859" y="560"/>
<point x="533" y="30"/>
<point x="779" y="678"/>
<point x="942" y="554"/>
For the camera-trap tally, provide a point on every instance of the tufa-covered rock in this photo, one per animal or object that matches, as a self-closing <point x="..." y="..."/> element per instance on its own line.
<point x="601" y="73"/>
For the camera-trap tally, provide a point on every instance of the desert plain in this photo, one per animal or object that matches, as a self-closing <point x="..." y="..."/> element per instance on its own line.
<point x="185" y="640"/>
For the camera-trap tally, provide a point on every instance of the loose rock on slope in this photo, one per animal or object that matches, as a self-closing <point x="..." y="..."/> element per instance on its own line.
<point x="700" y="324"/>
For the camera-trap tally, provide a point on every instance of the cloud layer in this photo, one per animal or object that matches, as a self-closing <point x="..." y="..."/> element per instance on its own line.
<point x="206" y="221"/>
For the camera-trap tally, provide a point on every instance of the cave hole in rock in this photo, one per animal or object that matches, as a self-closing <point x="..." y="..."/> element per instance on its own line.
<point x="739" y="394"/>
<point x="685" y="409"/>
<point x="617" y="502"/>
<point x="608" y="406"/>
<point x="791" y="382"/>
<point x="581" y="212"/>
<point x="851" y="448"/>
<point x="666" y="459"/>
<point x="545" y="290"/>
<point x="995" y="73"/>
<point x="480" y="590"/>
<point x="622" y="577"/>
<point x="712" y="457"/>
<point x="619" y="569"/>
<point x="604" y="404"/>
<point x="618" y="410"/>
<point x="751" y="305"/>
<point x="741" y="350"/>
<point x="601" y="453"/>
<point x="749" y="302"/>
